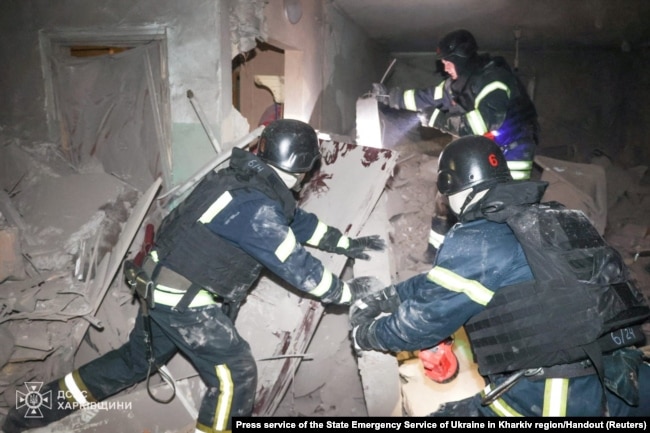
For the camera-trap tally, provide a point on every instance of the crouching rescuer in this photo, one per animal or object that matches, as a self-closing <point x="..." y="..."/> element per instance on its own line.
<point x="207" y="254"/>
<point x="551" y="311"/>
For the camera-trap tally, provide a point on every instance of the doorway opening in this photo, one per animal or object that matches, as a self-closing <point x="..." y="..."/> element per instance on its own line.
<point x="107" y="101"/>
<point x="258" y="84"/>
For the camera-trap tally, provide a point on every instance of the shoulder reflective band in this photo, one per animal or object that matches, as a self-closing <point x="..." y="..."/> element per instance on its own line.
<point x="437" y="93"/>
<point x="409" y="100"/>
<point x="319" y="232"/>
<point x="474" y="117"/>
<point x="216" y="207"/>
<point x="520" y="170"/>
<point x="555" y="397"/>
<point x="496" y="85"/>
<point x="284" y="250"/>
<point x="476" y="291"/>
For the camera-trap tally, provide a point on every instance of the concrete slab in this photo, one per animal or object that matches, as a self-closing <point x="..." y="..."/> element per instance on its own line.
<point x="577" y="186"/>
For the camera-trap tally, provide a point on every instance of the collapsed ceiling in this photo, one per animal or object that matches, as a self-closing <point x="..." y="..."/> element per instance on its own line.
<point x="411" y="26"/>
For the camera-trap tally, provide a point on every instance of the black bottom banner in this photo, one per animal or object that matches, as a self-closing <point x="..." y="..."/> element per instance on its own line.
<point x="394" y="424"/>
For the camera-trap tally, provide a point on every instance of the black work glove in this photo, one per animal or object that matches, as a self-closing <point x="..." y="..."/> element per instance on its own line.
<point x="391" y="97"/>
<point x="364" y="286"/>
<point x="380" y="93"/>
<point x="446" y="122"/>
<point x="367" y="308"/>
<point x="364" y="338"/>
<point x="349" y="291"/>
<point x="424" y="114"/>
<point x="357" y="247"/>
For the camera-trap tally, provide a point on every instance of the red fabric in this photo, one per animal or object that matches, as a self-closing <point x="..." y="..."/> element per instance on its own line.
<point x="440" y="362"/>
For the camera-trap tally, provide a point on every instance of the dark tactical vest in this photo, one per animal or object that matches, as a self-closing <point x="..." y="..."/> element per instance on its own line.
<point x="190" y="248"/>
<point x="520" y="122"/>
<point x="581" y="304"/>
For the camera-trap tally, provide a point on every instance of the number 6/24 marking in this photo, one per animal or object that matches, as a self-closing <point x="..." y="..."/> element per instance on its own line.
<point x="622" y="335"/>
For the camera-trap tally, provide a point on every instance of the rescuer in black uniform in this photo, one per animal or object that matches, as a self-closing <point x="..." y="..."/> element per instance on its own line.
<point x="551" y="311"/>
<point x="207" y="254"/>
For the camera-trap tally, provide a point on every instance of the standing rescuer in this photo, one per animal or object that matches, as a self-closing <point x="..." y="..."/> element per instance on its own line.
<point x="550" y="309"/>
<point x="207" y="254"/>
<point x="480" y="96"/>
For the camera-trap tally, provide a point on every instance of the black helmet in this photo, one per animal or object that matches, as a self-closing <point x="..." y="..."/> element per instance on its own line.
<point x="471" y="162"/>
<point x="459" y="44"/>
<point x="290" y="145"/>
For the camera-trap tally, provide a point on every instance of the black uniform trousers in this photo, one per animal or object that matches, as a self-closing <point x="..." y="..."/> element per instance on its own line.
<point x="209" y="340"/>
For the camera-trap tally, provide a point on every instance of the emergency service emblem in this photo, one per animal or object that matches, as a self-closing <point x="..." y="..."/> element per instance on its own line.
<point x="33" y="399"/>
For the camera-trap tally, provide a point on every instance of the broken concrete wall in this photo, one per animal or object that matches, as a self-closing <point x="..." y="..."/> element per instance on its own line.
<point x="329" y="64"/>
<point x="585" y="99"/>
<point x="351" y="64"/>
<point x="194" y="54"/>
<point x="634" y="137"/>
<point x="200" y="40"/>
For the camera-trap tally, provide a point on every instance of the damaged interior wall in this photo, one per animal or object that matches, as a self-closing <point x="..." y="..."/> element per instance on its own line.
<point x="328" y="62"/>
<point x="199" y="53"/>
<point x="190" y="65"/>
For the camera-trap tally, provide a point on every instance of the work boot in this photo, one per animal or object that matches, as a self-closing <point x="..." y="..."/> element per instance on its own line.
<point x="440" y="362"/>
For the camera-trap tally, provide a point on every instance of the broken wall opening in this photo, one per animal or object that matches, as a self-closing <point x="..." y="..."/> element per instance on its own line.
<point x="258" y="84"/>
<point x="111" y="108"/>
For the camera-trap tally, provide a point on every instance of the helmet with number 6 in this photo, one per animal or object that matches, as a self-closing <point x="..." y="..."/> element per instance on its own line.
<point x="290" y="145"/>
<point x="471" y="162"/>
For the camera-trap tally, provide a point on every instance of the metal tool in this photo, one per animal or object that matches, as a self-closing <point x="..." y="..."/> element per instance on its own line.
<point x="497" y="392"/>
<point x="390" y="67"/>
<point x="203" y="120"/>
<point x="387" y="71"/>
